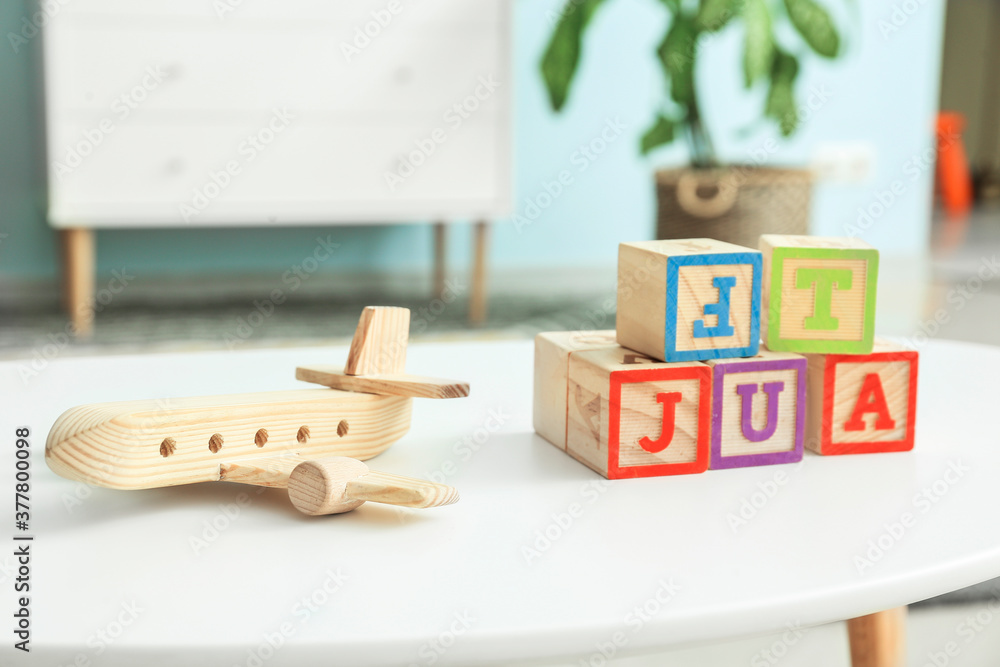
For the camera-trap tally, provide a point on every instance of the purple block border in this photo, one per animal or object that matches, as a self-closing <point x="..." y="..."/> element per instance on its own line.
<point x="720" y="462"/>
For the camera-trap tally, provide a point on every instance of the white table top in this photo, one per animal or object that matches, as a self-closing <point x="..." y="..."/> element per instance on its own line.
<point x="453" y="585"/>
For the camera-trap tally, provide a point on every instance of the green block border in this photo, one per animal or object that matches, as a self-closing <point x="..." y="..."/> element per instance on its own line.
<point x="863" y="346"/>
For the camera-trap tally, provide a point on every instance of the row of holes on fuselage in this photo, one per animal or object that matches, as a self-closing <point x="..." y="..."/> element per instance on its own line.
<point x="169" y="445"/>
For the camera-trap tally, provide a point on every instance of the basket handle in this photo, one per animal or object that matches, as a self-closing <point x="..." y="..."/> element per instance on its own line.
<point x="705" y="207"/>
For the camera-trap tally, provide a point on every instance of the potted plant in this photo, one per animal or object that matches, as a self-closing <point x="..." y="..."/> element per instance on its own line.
<point x="739" y="202"/>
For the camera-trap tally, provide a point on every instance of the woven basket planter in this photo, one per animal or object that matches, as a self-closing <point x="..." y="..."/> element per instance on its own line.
<point x="734" y="204"/>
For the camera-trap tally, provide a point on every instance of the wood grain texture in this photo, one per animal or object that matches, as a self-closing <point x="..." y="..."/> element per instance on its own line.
<point x="318" y="487"/>
<point x="605" y="429"/>
<point x="270" y="471"/>
<point x="787" y="306"/>
<point x="695" y="290"/>
<point x="414" y="386"/>
<point x="642" y="298"/>
<point x="340" y="484"/>
<point x="379" y="343"/>
<point x="879" y="639"/>
<point x="118" y="445"/>
<point x="552" y="350"/>
<point x="840" y="388"/>
<point x="383" y="487"/>
<point x="664" y="288"/>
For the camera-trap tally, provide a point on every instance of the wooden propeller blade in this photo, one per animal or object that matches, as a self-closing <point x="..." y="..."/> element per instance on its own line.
<point x="340" y="484"/>
<point x="385" y="384"/>
<point x="382" y="487"/>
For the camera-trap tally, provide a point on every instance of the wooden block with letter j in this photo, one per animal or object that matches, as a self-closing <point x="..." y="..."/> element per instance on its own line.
<point x="818" y="294"/>
<point x="689" y="300"/>
<point x="862" y="403"/>
<point x="624" y="414"/>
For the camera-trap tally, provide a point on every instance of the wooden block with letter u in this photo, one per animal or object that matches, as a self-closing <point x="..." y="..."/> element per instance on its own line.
<point x="758" y="410"/>
<point x="689" y="300"/>
<point x="630" y="416"/>
<point x="861" y="404"/>
<point x="819" y="294"/>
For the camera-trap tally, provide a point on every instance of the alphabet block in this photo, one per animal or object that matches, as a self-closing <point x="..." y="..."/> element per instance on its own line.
<point x="860" y="404"/>
<point x="552" y="352"/>
<point x="689" y="300"/>
<point x="758" y="410"/>
<point x="631" y="416"/>
<point x="819" y="294"/>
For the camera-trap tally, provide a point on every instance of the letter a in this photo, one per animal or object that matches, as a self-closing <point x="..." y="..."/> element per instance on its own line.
<point x="721" y="308"/>
<point x="669" y="401"/>
<point x="746" y="392"/>
<point x="824" y="280"/>
<point x="871" y="399"/>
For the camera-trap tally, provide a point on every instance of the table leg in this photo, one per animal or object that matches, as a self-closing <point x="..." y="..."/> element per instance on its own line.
<point x="79" y="255"/>
<point x="440" y="257"/>
<point x="878" y="640"/>
<point x="477" y="299"/>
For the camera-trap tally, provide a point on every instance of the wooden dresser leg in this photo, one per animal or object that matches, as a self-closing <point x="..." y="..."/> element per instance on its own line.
<point x="440" y="257"/>
<point x="79" y="256"/>
<point x="878" y="640"/>
<point x="478" y="297"/>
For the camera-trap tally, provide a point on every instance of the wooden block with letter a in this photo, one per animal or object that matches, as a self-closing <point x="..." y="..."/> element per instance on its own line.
<point x="552" y="350"/>
<point x="631" y="416"/>
<point x="860" y="404"/>
<point x="818" y="294"/>
<point x="758" y="410"/>
<point x="688" y="300"/>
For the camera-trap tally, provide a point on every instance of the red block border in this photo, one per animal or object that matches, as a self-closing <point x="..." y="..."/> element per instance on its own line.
<point x="704" y="376"/>
<point x="827" y="446"/>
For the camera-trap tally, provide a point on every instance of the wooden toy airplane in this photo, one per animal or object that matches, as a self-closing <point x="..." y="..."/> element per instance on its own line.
<point x="311" y="441"/>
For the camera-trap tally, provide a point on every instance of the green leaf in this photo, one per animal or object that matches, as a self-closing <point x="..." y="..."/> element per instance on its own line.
<point x="562" y="55"/>
<point x="780" y="105"/>
<point x="715" y="14"/>
<point x="815" y="25"/>
<point x="677" y="54"/>
<point x="661" y="132"/>
<point x="673" y="5"/>
<point x="758" y="47"/>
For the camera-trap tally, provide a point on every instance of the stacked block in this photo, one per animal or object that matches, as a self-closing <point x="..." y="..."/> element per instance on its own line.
<point x="689" y="300"/>
<point x="684" y="384"/>
<point x="819" y="294"/>
<point x="758" y="410"/>
<point x="626" y="415"/>
<point x="864" y="403"/>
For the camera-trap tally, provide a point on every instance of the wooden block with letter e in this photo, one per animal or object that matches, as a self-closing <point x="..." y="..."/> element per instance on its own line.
<point x="758" y="410"/>
<point x="552" y="350"/>
<point x="818" y="294"/>
<point x="689" y="300"/>
<point x="631" y="416"/>
<point x="860" y="404"/>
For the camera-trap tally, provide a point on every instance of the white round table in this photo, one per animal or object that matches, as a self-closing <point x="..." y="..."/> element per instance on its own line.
<point x="540" y="558"/>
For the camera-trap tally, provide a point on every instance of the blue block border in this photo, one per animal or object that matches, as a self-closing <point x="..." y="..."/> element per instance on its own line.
<point x="670" y="353"/>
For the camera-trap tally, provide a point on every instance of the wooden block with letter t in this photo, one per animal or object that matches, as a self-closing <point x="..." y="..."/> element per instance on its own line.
<point x="819" y="294"/>
<point x="689" y="300"/>
<point x="860" y="404"/>
<point x="631" y="416"/>
<point x="758" y="410"/>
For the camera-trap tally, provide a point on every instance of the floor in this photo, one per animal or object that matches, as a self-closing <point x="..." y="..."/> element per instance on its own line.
<point x="953" y="294"/>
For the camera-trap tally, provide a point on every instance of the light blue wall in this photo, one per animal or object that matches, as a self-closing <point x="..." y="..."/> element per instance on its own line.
<point x="884" y="92"/>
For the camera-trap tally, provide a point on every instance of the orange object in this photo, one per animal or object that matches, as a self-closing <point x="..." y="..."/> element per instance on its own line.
<point x="953" y="179"/>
